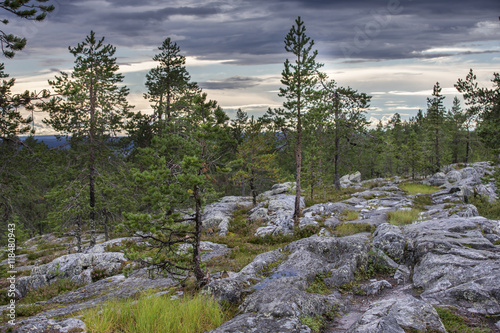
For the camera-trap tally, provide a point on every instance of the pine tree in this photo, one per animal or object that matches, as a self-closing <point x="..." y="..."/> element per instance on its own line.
<point x="90" y="107"/>
<point x="299" y="78"/>
<point x="169" y="83"/>
<point x="435" y="120"/>
<point x="33" y="10"/>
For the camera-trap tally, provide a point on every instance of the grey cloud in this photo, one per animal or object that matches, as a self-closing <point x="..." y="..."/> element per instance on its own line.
<point x="234" y="82"/>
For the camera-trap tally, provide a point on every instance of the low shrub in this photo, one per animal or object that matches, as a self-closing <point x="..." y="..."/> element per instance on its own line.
<point x="47" y="292"/>
<point x="457" y="324"/>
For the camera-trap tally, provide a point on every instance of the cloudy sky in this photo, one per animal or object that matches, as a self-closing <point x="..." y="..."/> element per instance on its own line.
<point x="394" y="50"/>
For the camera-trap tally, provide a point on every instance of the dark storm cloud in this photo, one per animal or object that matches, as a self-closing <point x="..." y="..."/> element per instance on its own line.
<point x="252" y="32"/>
<point x="234" y="82"/>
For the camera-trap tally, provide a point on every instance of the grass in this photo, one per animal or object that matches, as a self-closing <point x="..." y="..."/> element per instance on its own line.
<point x="458" y="324"/>
<point x="349" y="215"/>
<point x="155" y="314"/>
<point x="329" y="194"/>
<point x="485" y="208"/>
<point x="415" y="188"/>
<point x="47" y="292"/>
<point x="403" y="217"/>
<point x="346" y="229"/>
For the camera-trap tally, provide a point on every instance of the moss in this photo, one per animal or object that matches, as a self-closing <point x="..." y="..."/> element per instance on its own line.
<point x="349" y="215"/>
<point x="318" y="286"/>
<point x="415" y="188"/>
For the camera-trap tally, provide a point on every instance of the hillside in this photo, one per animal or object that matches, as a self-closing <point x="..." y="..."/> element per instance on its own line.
<point x="382" y="255"/>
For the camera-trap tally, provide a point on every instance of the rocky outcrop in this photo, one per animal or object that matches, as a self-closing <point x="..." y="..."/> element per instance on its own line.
<point x="460" y="183"/>
<point x="274" y="286"/>
<point x="77" y="267"/>
<point x="218" y="214"/>
<point x="403" y="315"/>
<point x="455" y="263"/>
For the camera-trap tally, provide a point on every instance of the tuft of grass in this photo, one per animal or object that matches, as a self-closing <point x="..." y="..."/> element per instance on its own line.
<point x="155" y="314"/>
<point x="349" y="215"/>
<point x="458" y="324"/>
<point x="29" y="310"/>
<point x="403" y="217"/>
<point x="346" y="229"/>
<point x="329" y="194"/>
<point x="415" y="188"/>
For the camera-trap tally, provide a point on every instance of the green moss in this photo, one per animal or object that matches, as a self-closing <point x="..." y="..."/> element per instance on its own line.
<point x="315" y="323"/>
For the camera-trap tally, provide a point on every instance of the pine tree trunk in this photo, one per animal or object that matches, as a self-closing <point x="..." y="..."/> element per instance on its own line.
<point x="198" y="271"/>
<point x="92" y="162"/>
<point x="337" y="143"/>
<point x="298" y="163"/>
<point x="253" y="190"/>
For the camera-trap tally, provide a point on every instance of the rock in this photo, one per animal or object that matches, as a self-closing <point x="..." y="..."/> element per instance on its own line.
<point x="259" y="214"/>
<point x="399" y="315"/>
<point x="390" y="240"/>
<point x="437" y="179"/>
<point x="71" y="266"/>
<point x="211" y="249"/>
<point x="276" y="283"/>
<point x="41" y="325"/>
<point x="218" y="214"/>
<point x="455" y="263"/>
<point x="351" y="178"/>
<point x="376" y="288"/>
<point x="402" y="274"/>
<point x="453" y="176"/>
<point x="249" y="322"/>
<point x="466" y="211"/>
<point x="284" y="202"/>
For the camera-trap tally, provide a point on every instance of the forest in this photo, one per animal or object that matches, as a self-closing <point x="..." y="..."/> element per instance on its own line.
<point x="122" y="171"/>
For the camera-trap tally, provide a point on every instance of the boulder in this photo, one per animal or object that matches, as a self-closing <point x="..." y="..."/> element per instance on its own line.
<point x="437" y="179"/>
<point x="398" y="316"/>
<point x="376" y="287"/>
<point x="70" y="325"/>
<point x="390" y="239"/>
<point x="455" y="263"/>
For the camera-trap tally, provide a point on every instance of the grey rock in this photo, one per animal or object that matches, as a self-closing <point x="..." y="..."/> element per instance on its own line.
<point x="259" y="214"/>
<point x="70" y="266"/>
<point x="284" y="202"/>
<point x="456" y="264"/>
<point x="391" y="240"/>
<point x="466" y="211"/>
<point x="402" y="274"/>
<point x="437" y="179"/>
<point x="274" y="285"/>
<point x="399" y="315"/>
<point x="453" y="176"/>
<point x="41" y="325"/>
<point x="255" y="323"/>
<point x="376" y="288"/>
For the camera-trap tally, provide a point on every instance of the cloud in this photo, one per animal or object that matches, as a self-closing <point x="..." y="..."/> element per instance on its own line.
<point x="233" y="82"/>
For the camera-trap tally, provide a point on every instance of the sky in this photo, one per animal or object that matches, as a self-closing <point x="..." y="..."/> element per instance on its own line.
<point x="393" y="50"/>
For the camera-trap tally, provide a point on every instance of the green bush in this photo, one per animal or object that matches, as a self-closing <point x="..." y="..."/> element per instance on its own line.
<point x="485" y="208"/>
